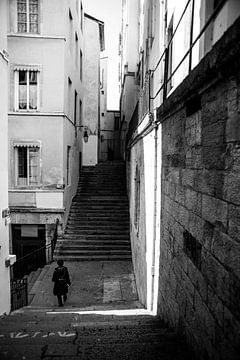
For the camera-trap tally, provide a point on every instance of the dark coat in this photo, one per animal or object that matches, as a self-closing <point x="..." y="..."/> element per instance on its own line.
<point x="61" y="280"/>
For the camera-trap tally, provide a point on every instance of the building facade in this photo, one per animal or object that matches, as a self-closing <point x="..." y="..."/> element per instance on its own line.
<point x="109" y="146"/>
<point x="45" y="42"/>
<point x="182" y="164"/>
<point x="4" y="216"/>
<point x="93" y="45"/>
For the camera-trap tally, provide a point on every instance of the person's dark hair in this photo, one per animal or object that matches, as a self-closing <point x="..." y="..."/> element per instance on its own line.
<point x="60" y="262"/>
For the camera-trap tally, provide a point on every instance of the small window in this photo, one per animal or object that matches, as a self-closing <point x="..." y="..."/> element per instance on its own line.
<point x="76" y="49"/>
<point x="68" y="165"/>
<point x="81" y="64"/>
<point x="137" y="198"/>
<point x="27" y="166"/>
<point x="75" y="107"/>
<point x="27" y="90"/>
<point x="80" y="112"/>
<point x="70" y="98"/>
<point x="116" y="123"/>
<point x="81" y="17"/>
<point x="28" y="16"/>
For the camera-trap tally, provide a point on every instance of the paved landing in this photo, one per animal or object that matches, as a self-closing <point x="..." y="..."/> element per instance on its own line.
<point x="93" y="283"/>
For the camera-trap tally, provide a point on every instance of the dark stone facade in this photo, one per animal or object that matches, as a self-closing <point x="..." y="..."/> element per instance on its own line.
<point x="199" y="284"/>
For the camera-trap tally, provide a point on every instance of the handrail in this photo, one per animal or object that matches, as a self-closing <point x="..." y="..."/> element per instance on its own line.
<point x="166" y="80"/>
<point x="170" y="41"/>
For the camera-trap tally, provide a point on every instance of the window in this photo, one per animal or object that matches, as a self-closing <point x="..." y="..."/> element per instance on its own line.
<point x="26" y="90"/>
<point x="170" y="55"/>
<point x="81" y="17"/>
<point x="75" y="107"/>
<point x="28" y="16"/>
<point x="137" y="198"/>
<point x="27" y="168"/>
<point x="70" y="31"/>
<point x="70" y="98"/>
<point x="76" y="49"/>
<point x="81" y="64"/>
<point x="116" y="123"/>
<point x="68" y="164"/>
<point x="80" y="112"/>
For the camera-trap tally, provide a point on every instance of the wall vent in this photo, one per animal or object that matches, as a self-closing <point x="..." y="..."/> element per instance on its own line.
<point x="192" y="249"/>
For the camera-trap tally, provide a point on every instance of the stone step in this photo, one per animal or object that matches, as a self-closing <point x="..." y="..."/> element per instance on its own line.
<point x="99" y="212"/>
<point x="94" y="257"/>
<point x="103" y="221"/>
<point x="71" y="229"/>
<point x="97" y="236"/>
<point x="91" y="242"/>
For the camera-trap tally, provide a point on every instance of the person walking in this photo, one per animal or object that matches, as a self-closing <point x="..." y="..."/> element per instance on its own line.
<point x="61" y="282"/>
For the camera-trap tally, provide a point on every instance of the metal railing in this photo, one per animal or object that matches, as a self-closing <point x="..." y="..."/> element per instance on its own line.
<point x="165" y="55"/>
<point x="146" y="97"/>
<point x="19" y="293"/>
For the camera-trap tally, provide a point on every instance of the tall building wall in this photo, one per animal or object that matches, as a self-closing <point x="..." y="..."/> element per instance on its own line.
<point x="45" y="102"/>
<point x="4" y="227"/>
<point x="94" y="43"/>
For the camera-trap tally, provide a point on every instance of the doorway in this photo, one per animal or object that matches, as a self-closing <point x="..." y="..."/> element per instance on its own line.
<point x="29" y="248"/>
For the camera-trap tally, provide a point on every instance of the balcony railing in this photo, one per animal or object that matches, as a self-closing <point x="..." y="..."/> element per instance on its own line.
<point x="146" y="93"/>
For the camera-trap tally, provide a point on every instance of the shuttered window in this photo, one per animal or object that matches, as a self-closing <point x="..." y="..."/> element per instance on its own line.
<point x="27" y="165"/>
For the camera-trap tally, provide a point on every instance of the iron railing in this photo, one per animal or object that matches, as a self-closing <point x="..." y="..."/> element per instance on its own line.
<point x="146" y="95"/>
<point x="166" y="53"/>
<point x="19" y="293"/>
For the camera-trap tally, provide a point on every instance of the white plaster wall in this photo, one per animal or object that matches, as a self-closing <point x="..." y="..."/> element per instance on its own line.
<point x="49" y="55"/>
<point x="226" y="17"/>
<point x="49" y="200"/>
<point x="49" y="132"/>
<point x="4" y="228"/>
<point x="91" y="78"/>
<point x="90" y="151"/>
<point x="54" y="50"/>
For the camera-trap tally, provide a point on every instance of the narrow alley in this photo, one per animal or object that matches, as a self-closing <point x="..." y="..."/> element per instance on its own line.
<point x="119" y="179"/>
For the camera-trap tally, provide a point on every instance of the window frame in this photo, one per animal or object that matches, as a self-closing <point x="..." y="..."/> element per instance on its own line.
<point x="16" y="86"/>
<point x="16" y="147"/>
<point x="28" y="18"/>
<point x="68" y="165"/>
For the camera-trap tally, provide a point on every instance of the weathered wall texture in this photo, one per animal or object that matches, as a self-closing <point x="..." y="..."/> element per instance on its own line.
<point x="199" y="287"/>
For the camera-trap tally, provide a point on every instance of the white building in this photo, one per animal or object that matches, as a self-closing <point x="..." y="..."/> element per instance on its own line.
<point x="93" y="45"/>
<point x="45" y="44"/>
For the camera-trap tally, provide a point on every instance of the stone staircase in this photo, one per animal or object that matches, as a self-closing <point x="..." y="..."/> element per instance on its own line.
<point x="34" y="281"/>
<point x="98" y="223"/>
<point x="35" y="335"/>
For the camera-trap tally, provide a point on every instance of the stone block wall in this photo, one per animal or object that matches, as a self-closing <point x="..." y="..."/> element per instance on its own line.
<point x="199" y="275"/>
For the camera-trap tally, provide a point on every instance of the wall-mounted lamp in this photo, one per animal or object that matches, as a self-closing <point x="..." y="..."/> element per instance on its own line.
<point x="85" y="136"/>
<point x="85" y="132"/>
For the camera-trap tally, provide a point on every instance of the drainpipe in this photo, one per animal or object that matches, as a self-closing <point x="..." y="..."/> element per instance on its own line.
<point x="153" y="270"/>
